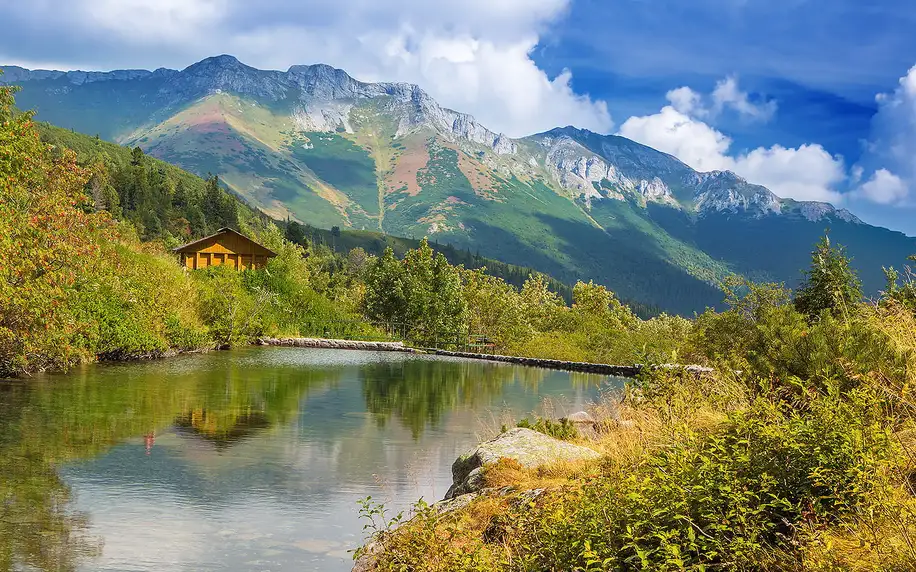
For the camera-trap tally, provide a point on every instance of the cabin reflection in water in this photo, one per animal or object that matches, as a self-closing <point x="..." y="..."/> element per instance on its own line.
<point x="225" y="248"/>
<point x="221" y="428"/>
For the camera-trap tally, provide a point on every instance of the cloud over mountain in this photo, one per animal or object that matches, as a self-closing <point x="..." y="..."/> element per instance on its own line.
<point x="807" y="172"/>
<point x="472" y="55"/>
<point x="891" y="149"/>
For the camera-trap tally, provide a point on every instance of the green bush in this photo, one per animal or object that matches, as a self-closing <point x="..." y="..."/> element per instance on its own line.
<point x="561" y="429"/>
<point x="232" y="313"/>
<point x="738" y="499"/>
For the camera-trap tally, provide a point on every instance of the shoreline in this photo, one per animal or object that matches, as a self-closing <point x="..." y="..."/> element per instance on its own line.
<point x="574" y="366"/>
<point x="629" y="371"/>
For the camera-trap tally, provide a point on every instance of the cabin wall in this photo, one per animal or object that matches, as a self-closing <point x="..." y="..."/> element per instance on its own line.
<point x="230" y="250"/>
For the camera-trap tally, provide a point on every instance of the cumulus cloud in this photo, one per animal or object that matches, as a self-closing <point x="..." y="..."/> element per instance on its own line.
<point x="891" y="148"/>
<point x="678" y="134"/>
<point x="884" y="188"/>
<point x="471" y="55"/>
<point x="808" y="172"/>
<point x="727" y="94"/>
<point x="687" y="101"/>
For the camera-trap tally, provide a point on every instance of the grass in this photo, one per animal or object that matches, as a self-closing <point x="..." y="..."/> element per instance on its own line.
<point x="734" y="471"/>
<point x="342" y="164"/>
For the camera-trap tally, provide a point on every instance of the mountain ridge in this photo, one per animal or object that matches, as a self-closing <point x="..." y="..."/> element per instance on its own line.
<point x="322" y="82"/>
<point x="314" y="144"/>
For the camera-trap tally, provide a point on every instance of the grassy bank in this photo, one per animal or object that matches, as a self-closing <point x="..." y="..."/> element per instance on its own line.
<point x="802" y="460"/>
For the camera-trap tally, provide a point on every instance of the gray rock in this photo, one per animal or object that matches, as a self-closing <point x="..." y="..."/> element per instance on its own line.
<point x="529" y="448"/>
<point x="368" y="560"/>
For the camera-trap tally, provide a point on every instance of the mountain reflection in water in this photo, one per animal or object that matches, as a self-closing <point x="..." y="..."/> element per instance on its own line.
<point x="251" y="459"/>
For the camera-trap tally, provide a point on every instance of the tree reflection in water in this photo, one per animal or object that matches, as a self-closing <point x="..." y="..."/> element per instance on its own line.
<point x="45" y="423"/>
<point x="218" y="399"/>
<point x="419" y="392"/>
<point x="38" y="527"/>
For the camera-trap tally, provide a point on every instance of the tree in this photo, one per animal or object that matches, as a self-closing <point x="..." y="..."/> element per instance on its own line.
<point x="830" y="284"/>
<point x="905" y="293"/>
<point x="295" y="233"/>
<point x="48" y="238"/>
<point x="385" y="299"/>
<point x="357" y="262"/>
<point x="422" y="291"/>
<point x="136" y="157"/>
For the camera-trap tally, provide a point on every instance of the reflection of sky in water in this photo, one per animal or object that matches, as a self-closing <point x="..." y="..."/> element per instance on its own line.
<point x="284" y="497"/>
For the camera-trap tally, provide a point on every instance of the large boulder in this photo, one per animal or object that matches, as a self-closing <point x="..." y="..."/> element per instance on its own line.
<point x="529" y="448"/>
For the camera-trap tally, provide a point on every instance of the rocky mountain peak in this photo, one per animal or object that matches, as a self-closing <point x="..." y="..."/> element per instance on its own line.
<point x="220" y="61"/>
<point x="324" y="82"/>
<point x="223" y="73"/>
<point x="323" y="98"/>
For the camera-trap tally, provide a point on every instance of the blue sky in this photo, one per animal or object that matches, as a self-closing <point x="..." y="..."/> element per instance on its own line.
<point x="824" y="62"/>
<point x="784" y="92"/>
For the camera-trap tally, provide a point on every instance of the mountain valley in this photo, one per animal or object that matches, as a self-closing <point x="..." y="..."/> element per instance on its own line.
<point x="315" y="145"/>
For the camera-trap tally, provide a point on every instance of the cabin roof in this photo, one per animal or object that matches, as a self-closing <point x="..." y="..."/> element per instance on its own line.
<point x="190" y="246"/>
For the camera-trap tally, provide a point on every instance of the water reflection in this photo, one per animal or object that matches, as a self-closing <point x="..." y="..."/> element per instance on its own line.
<point x="419" y="393"/>
<point x="242" y="460"/>
<point x="38" y="527"/>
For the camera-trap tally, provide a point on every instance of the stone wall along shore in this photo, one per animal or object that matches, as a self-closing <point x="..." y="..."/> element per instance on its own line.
<point x="336" y="344"/>
<point x="599" y="368"/>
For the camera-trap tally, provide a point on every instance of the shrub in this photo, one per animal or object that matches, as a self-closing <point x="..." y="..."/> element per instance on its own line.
<point x="561" y="429"/>
<point x="735" y="500"/>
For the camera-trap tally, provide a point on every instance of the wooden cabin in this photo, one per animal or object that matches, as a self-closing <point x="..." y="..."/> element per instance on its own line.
<point x="225" y="248"/>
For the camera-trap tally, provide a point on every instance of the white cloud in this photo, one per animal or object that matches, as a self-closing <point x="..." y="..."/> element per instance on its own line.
<point x="891" y="148"/>
<point x="728" y="94"/>
<point x="687" y="101"/>
<point x="688" y="139"/>
<point x="145" y="21"/>
<point x="884" y="188"/>
<point x="808" y="172"/>
<point x="471" y="55"/>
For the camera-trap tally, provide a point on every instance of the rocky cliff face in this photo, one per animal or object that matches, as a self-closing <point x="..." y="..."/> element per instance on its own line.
<point x="612" y="167"/>
<point x="585" y="164"/>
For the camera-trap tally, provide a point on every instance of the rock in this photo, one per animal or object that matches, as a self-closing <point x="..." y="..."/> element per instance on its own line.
<point x="448" y="505"/>
<point x="368" y="560"/>
<point x="529" y="448"/>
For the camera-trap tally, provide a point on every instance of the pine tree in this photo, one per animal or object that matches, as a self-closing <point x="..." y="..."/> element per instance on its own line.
<point x="830" y="284"/>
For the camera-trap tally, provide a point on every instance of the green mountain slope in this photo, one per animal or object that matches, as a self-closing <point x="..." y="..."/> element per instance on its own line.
<point x="314" y="145"/>
<point x="160" y="199"/>
<point x="166" y="202"/>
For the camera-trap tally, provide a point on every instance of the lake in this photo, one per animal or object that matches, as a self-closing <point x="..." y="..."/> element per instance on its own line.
<point x="244" y="460"/>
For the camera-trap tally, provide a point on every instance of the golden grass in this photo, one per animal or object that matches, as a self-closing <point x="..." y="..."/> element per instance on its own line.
<point x="879" y="535"/>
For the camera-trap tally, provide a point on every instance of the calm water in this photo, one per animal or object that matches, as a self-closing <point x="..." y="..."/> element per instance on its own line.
<point x="249" y="460"/>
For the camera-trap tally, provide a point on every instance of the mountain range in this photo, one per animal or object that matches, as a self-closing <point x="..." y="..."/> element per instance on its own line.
<point x="316" y="145"/>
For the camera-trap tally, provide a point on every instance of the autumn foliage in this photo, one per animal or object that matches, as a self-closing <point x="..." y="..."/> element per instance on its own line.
<point x="72" y="281"/>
